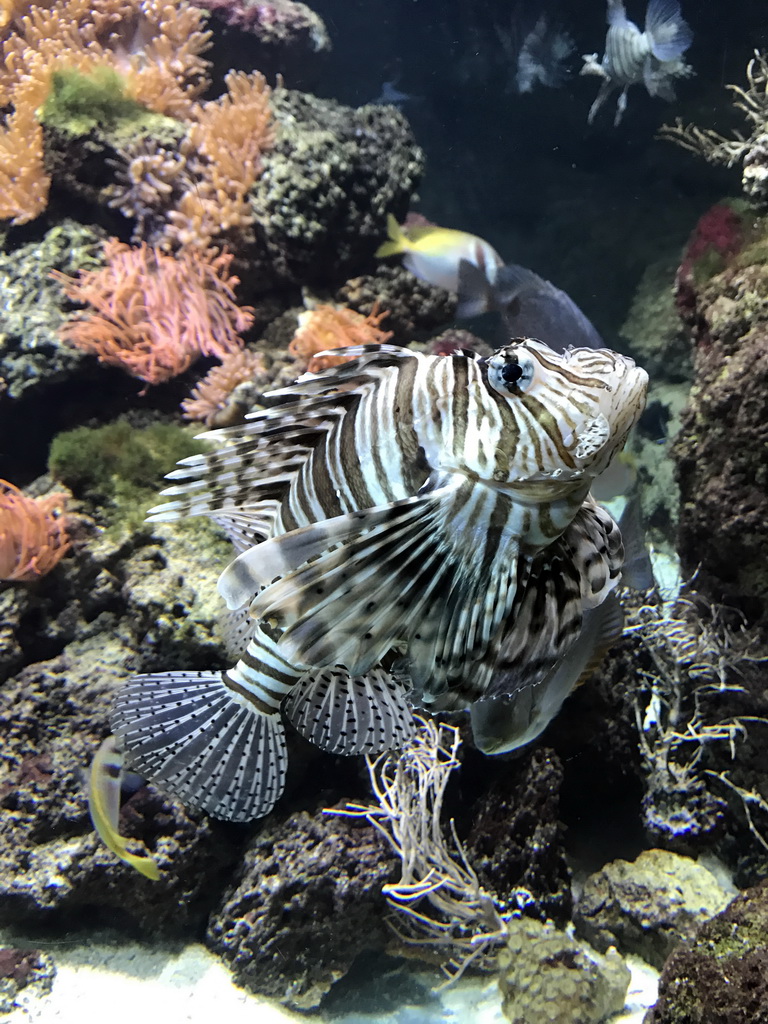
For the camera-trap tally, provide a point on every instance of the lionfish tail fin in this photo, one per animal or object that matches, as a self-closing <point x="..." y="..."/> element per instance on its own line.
<point x="347" y="714"/>
<point x="191" y="733"/>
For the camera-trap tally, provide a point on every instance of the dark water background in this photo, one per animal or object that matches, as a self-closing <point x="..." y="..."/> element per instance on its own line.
<point x="587" y="206"/>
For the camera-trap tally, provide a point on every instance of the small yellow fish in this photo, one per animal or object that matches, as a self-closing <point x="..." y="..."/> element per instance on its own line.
<point x="104" y="806"/>
<point x="454" y="260"/>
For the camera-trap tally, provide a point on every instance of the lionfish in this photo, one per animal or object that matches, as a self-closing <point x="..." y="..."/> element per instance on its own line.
<point x="412" y="530"/>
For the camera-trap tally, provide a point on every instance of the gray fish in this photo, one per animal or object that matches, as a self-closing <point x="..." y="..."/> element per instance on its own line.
<point x="652" y="57"/>
<point x="390" y="509"/>
<point x="535" y="308"/>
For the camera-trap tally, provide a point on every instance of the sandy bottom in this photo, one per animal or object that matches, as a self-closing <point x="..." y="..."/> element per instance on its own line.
<point x="100" y="984"/>
<point x="111" y="983"/>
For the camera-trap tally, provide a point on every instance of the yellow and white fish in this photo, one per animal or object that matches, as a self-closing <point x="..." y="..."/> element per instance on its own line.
<point x="454" y="260"/>
<point x="104" y="784"/>
<point x="389" y="514"/>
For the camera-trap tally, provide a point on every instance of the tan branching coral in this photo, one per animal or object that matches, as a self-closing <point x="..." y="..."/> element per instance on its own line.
<point x="223" y="150"/>
<point x="156" y="45"/>
<point x="212" y="400"/>
<point x="328" y="327"/>
<point x="752" y="102"/>
<point x="33" y="534"/>
<point x="155" y="313"/>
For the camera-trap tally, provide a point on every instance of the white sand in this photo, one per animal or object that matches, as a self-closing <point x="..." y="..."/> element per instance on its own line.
<point x="111" y="984"/>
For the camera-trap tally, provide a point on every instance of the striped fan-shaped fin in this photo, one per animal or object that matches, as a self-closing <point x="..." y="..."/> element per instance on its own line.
<point x="346" y="714"/>
<point x="186" y="732"/>
<point x="543" y="625"/>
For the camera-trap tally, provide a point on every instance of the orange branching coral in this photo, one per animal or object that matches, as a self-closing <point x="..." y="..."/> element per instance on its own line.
<point x="33" y="534"/>
<point x="211" y="399"/>
<point x="331" y="327"/>
<point x="223" y="147"/>
<point x="156" y="45"/>
<point x="156" y="313"/>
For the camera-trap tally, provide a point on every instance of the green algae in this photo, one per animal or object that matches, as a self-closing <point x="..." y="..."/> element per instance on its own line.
<point x="78" y="103"/>
<point x="119" y="468"/>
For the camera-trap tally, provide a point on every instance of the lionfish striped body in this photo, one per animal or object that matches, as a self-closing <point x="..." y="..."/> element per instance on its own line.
<point x="403" y="521"/>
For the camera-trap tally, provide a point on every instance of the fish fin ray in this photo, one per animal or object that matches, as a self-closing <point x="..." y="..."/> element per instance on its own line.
<point x="186" y="732"/>
<point x="345" y="714"/>
<point x="319" y="572"/>
<point x="668" y="34"/>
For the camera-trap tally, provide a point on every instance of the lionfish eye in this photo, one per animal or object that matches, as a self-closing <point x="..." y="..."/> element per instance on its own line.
<point x="509" y="373"/>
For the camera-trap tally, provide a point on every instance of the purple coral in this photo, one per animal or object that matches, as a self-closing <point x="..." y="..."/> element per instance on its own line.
<point x="274" y="22"/>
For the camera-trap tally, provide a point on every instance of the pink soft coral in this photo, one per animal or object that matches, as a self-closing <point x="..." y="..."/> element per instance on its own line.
<point x="33" y="534"/>
<point x="155" y="314"/>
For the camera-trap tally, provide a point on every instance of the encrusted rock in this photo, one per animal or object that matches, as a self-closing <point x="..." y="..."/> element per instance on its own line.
<point x="546" y="977"/>
<point x="722" y="977"/>
<point x="22" y="969"/>
<point x="647" y="906"/>
<point x="30" y="350"/>
<point x="333" y="175"/>
<point x="516" y="841"/>
<point x="308" y="901"/>
<point x="722" y="449"/>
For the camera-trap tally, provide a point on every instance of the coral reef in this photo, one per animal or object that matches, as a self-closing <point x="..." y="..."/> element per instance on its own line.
<point x="442" y="911"/>
<point x="652" y="332"/>
<point x="415" y="308"/>
<point x="328" y="327"/>
<point x="228" y="391"/>
<point x="154" y="313"/>
<point x="31" y="353"/>
<point x="33" y="534"/>
<point x="752" y="152"/>
<point x="306" y="903"/>
<point x="722" y="976"/>
<point x="156" y="47"/>
<point x="548" y="978"/>
<point x="320" y="205"/>
<point x="283" y="36"/>
<point x="649" y="906"/>
<point x="119" y="466"/>
<point x="722" y="449"/>
<point x="515" y="843"/>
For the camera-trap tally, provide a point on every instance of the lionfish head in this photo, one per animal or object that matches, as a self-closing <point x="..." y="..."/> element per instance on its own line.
<point x="581" y="403"/>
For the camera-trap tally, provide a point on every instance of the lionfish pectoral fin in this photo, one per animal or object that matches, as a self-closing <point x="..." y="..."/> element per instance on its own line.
<point x="504" y="722"/>
<point x="347" y="714"/>
<point x="104" y="806"/>
<point x="191" y="733"/>
<point x="597" y="552"/>
<point x="346" y="589"/>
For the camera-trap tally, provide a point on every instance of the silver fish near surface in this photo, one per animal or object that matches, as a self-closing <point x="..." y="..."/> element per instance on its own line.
<point x="389" y="514"/>
<point x="653" y="57"/>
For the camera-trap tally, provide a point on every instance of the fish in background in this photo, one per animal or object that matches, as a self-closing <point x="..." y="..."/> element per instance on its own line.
<point x="653" y="57"/>
<point x="543" y="56"/>
<point x="443" y="257"/>
<point x="535" y="308"/>
<point x="530" y="306"/>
